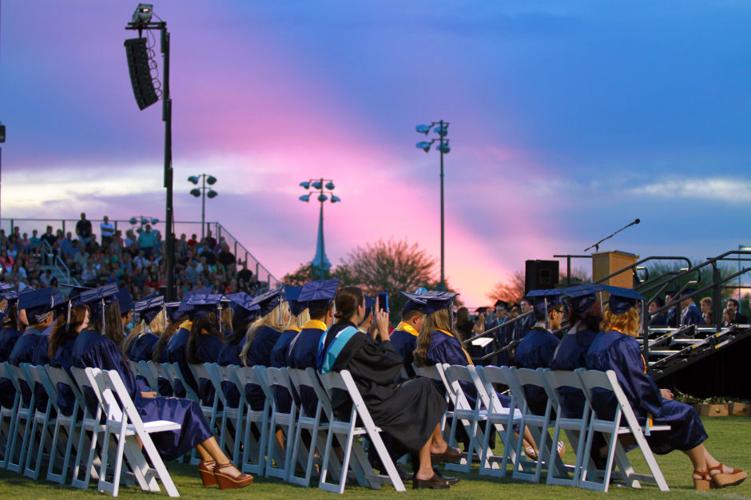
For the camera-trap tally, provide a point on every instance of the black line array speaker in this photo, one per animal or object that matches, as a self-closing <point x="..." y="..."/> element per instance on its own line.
<point x="140" y="73"/>
<point x="540" y="274"/>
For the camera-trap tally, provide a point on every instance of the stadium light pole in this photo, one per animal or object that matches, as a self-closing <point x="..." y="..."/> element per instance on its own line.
<point x="2" y="141"/>
<point x="440" y="128"/>
<point x="142" y="21"/>
<point x="325" y="189"/>
<point x="203" y="192"/>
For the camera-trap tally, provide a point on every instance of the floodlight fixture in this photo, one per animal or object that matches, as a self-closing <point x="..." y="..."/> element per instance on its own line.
<point x="316" y="184"/>
<point x="212" y="194"/>
<point x="142" y="14"/>
<point x="423" y="129"/>
<point x="335" y="199"/>
<point x="443" y="147"/>
<point x="425" y="145"/>
<point x="195" y="192"/>
<point x="305" y="198"/>
<point x="133" y="220"/>
<point x="322" y="198"/>
<point x="194" y="179"/>
<point x="211" y="180"/>
<point x="305" y="184"/>
<point x="330" y="186"/>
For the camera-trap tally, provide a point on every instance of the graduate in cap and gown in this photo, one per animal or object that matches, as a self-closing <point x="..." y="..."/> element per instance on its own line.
<point x="410" y="412"/>
<point x="536" y="349"/>
<point x="243" y="315"/>
<point x="174" y="351"/>
<point x="404" y="336"/>
<point x="261" y="337"/>
<point x="585" y="314"/>
<point x="125" y="301"/>
<point x="318" y="296"/>
<point x="9" y="335"/>
<point x="96" y="348"/>
<point x="205" y="341"/>
<point x="280" y="352"/>
<point x="152" y="321"/>
<point x="60" y="349"/>
<point x="618" y="350"/>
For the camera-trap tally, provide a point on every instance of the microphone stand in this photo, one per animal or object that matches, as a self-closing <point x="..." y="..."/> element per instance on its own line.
<point x="596" y="246"/>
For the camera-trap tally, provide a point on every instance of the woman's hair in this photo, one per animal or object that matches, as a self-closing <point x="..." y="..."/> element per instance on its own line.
<point x="205" y="325"/>
<point x="157" y="326"/>
<point x="11" y="316"/>
<point x="347" y="300"/>
<point x="161" y="344"/>
<point x="591" y="318"/>
<point x="299" y="320"/>
<point x="276" y="319"/>
<point x="110" y="323"/>
<point x="63" y="332"/>
<point x="226" y="320"/>
<point x="627" y="323"/>
<point x="438" y="320"/>
<point x="462" y="315"/>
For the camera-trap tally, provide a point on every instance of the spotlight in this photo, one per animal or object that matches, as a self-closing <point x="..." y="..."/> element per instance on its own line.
<point x="154" y="220"/>
<point x="195" y="192"/>
<point x="305" y="184"/>
<point x="211" y="180"/>
<point x="142" y="14"/>
<point x="317" y="185"/>
<point x="133" y="220"/>
<point x="193" y="179"/>
<point x="442" y="129"/>
<point x="424" y="145"/>
<point x="443" y="147"/>
<point x="305" y="198"/>
<point x="212" y="194"/>
<point x="335" y="199"/>
<point x="330" y="185"/>
<point x="423" y="129"/>
<point x="322" y="198"/>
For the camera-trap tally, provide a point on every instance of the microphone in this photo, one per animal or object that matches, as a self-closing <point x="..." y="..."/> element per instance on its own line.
<point x="596" y="246"/>
<point x="637" y="221"/>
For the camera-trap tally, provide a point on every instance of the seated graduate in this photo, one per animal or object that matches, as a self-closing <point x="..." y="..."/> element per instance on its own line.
<point x="524" y="324"/>
<point x="176" y="315"/>
<point x="242" y="315"/>
<point x="537" y="347"/>
<point x="152" y="321"/>
<point x="409" y="412"/>
<point x="38" y="308"/>
<point x="60" y="349"/>
<point x="174" y="351"/>
<point x="125" y="301"/>
<point x="618" y="350"/>
<point x="98" y="348"/>
<point x="205" y="340"/>
<point x="584" y="316"/>
<point x="690" y="313"/>
<point x="9" y="335"/>
<point x="261" y="337"/>
<point x="404" y="336"/>
<point x="280" y="352"/>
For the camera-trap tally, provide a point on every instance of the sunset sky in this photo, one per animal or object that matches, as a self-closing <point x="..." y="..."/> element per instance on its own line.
<point x="568" y="120"/>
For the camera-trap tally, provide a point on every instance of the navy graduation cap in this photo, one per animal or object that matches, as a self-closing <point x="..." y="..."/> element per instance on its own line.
<point x="582" y="297"/>
<point x="622" y="299"/>
<point x="269" y="300"/>
<point x="322" y="291"/>
<point x="543" y="299"/>
<point x="431" y="301"/>
<point x="173" y="310"/>
<point x="125" y="300"/>
<point x="106" y="293"/>
<point x="201" y="304"/>
<point x="149" y="307"/>
<point x="240" y="303"/>
<point x="291" y="295"/>
<point x="38" y="303"/>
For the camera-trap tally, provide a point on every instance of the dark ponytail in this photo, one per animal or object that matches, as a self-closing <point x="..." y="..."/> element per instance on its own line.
<point x="347" y="300"/>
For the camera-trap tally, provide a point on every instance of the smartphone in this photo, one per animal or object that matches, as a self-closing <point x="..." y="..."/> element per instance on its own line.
<point x="383" y="301"/>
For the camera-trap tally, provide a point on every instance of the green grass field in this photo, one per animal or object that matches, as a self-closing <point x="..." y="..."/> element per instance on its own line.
<point x="730" y="441"/>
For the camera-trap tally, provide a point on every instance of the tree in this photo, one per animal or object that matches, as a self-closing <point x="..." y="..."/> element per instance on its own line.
<point x="510" y="290"/>
<point x="300" y="276"/>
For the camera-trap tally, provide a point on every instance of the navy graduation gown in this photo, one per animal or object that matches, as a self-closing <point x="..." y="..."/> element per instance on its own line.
<point x="91" y="349"/>
<point x="208" y="348"/>
<point x="536" y="351"/>
<point x="229" y="356"/>
<point x="278" y="359"/>
<point x="26" y="351"/>
<point x="302" y="354"/>
<point x="445" y="348"/>
<point x="691" y="316"/>
<point x="142" y="348"/>
<point x="569" y="355"/>
<point x="259" y="353"/>
<point x="63" y="358"/>
<point x="175" y="351"/>
<point x="408" y="411"/>
<point x="404" y="343"/>
<point x="622" y="354"/>
<point x="8" y="338"/>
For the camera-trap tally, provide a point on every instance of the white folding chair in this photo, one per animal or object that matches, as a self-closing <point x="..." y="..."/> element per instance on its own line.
<point x="347" y="433"/>
<point x="23" y="422"/>
<point x="471" y="417"/>
<point x="7" y="418"/>
<point x="277" y="377"/>
<point x="230" y="436"/>
<point x="149" y="372"/>
<point x="500" y="417"/>
<point x="525" y="469"/>
<point x="87" y="455"/>
<point x="173" y="373"/>
<point x="313" y="424"/>
<point x="132" y="437"/>
<point x="434" y="373"/>
<point x="594" y="381"/>
<point x="42" y="423"/>
<point x="57" y="377"/>
<point x="210" y="409"/>
<point x="253" y="446"/>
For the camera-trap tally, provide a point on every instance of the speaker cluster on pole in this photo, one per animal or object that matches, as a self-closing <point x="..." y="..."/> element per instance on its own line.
<point x="540" y="274"/>
<point x="140" y="72"/>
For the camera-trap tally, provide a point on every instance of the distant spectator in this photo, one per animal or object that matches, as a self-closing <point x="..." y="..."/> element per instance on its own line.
<point x="690" y="314"/>
<point x="83" y="230"/>
<point x="67" y="247"/>
<point x="672" y="314"/>
<point x="225" y="257"/>
<point x="209" y="242"/>
<point x="657" y="320"/>
<point x="738" y="318"/>
<point x="147" y="241"/>
<point x="108" y="231"/>
<point x="48" y="237"/>
<point x="245" y="278"/>
<point x="705" y="305"/>
<point x="728" y="316"/>
<point x="34" y="240"/>
<point x="193" y="241"/>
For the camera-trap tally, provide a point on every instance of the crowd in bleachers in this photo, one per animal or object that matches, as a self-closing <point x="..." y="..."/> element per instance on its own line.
<point x="133" y="260"/>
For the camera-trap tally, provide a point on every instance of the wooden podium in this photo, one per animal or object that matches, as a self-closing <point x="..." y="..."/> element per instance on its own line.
<point x="606" y="263"/>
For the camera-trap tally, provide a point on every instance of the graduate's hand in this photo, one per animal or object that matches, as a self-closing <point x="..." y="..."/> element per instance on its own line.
<point x="382" y="321"/>
<point x="148" y="394"/>
<point x="3" y="305"/>
<point x="666" y="393"/>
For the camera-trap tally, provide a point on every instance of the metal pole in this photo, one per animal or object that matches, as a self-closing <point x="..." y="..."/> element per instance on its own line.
<point x="203" y="207"/>
<point x="167" y="118"/>
<point x="443" y="276"/>
<point x="568" y="270"/>
<point x="740" y="248"/>
<point x="1" y="183"/>
<point x="322" y="272"/>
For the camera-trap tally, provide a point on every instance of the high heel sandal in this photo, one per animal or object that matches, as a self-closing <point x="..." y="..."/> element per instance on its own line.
<point x="207" y="473"/>
<point x="228" y="481"/>
<point x="723" y="479"/>
<point x="702" y="483"/>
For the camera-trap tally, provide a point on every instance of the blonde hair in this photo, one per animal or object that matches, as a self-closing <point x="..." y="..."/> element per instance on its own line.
<point x="277" y="319"/>
<point x="299" y="320"/>
<point x="439" y="320"/>
<point x="627" y="323"/>
<point x="157" y="326"/>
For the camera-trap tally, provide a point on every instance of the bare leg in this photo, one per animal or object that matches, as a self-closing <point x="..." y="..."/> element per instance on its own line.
<point x="214" y="452"/>
<point x="205" y="456"/>
<point x="698" y="456"/>
<point x="437" y="443"/>
<point x="425" y="470"/>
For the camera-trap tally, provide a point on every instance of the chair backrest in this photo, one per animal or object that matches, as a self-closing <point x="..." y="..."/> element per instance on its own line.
<point x="58" y="377"/>
<point x="218" y="374"/>
<point x="490" y="376"/>
<point x="93" y="409"/>
<point x="174" y="373"/>
<point x="278" y="377"/>
<point x="109" y="402"/>
<point x="454" y="374"/>
<point x="42" y="377"/>
<point x="262" y="380"/>
<point x="555" y="379"/>
<point x="517" y="389"/>
<point x="148" y="370"/>
<point x="593" y="380"/>
<point x="16" y="375"/>
<point x="308" y="378"/>
<point x="118" y="398"/>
